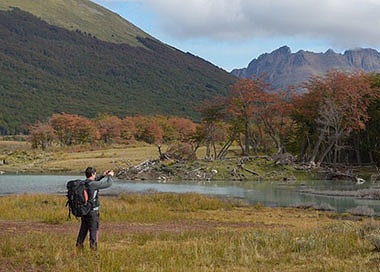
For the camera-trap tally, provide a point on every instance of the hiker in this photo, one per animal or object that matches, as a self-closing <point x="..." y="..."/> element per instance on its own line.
<point x="90" y="221"/>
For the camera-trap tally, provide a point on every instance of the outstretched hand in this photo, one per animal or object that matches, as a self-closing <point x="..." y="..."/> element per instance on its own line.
<point x="108" y="173"/>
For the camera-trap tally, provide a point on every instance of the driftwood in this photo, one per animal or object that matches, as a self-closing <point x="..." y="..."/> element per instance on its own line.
<point x="249" y="171"/>
<point x="136" y="171"/>
<point x="283" y="158"/>
<point x="241" y="165"/>
<point x="337" y="175"/>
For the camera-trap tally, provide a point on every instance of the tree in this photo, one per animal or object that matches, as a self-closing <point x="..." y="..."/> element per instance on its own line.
<point x="109" y="128"/>
<point x="245" y="102"/>
<point x="73" y="129"/>
<point x="41" y="135"/>
<point x="184" y="127"/>
<point x="170" y="133"/>
<point x="334" y="106"/>
<point x="275" y="116"/>
<point x="372" y="133"/>
<point x="260" y="115"/>
<point x="128" y="128"/>
<point x="148" y="130"/>
<point x="213" y="112"/>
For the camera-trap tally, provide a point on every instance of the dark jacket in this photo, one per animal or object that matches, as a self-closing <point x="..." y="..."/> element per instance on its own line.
<point x="100" y="182"/>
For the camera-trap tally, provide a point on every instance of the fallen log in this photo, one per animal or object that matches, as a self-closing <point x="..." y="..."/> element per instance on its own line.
<point x="241" y="165"/>
<point x="337" y="175"/>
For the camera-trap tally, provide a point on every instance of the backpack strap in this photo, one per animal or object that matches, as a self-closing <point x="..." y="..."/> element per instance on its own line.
<point x="69" y="213"/>
<point x="91" y="194"/>
<point x="95" y="194"/>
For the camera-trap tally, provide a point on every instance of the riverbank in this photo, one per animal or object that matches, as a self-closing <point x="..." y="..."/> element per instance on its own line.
<point x="140" y="162"/>
<point x="18" y="157"/>
<point x="184" y="232"/>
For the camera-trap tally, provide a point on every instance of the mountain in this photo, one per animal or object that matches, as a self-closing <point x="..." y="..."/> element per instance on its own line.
<point x="282" y="68"/>
<point x="82" y="15"/>
<point x="46" y="68"/>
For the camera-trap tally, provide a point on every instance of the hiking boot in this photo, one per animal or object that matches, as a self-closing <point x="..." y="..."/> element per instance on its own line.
<point x="79" y="247"/>
<point x="94" y="247"/>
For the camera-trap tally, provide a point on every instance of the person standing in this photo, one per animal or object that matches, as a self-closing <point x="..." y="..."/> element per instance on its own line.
<point x="90" y="221"/>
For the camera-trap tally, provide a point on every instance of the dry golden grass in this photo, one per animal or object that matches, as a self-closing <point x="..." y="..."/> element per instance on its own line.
<point x="9" y="146"/>
<point x="21" y="158"/>
<point x="109" y="158"/>
<point x="187" y="232"/>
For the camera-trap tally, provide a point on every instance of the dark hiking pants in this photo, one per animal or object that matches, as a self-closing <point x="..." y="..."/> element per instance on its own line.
<point x="89" y="223"/>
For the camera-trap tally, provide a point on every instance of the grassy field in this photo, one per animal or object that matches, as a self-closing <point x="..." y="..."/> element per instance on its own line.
<point x="186" y="232"/>
<point x="20" y="157"/>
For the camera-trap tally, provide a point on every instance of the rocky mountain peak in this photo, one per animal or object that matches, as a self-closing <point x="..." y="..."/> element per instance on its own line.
<point x="282" y="68"/>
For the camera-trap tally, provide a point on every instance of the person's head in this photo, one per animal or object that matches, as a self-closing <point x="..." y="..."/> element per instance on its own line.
<point x="90" y="171"/>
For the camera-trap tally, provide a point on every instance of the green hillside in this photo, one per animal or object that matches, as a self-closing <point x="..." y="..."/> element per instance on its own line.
<point x="47" y="69"/>
<point x="83" y="15"/>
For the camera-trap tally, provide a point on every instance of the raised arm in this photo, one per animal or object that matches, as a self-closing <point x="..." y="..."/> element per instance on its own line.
<point x="103" y="181"/>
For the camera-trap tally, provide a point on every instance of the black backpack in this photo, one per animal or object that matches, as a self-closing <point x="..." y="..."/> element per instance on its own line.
<point x="78" y="198"/>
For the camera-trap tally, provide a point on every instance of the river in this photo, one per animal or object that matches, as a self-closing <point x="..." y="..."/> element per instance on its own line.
<point x="266" y="193"/>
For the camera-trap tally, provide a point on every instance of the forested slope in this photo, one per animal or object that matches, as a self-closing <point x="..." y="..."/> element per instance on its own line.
<point x="47" y="69"/>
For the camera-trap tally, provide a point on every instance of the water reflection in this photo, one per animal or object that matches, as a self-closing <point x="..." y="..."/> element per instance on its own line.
<point x="269" y="194"/>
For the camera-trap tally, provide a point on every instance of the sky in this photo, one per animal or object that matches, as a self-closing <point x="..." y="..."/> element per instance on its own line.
<point x="231" y="33"/>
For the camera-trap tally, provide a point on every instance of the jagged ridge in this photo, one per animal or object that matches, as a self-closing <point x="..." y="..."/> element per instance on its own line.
<point x="282" y="68"/>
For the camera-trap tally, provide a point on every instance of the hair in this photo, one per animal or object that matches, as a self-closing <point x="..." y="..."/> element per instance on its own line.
<point x="90" y="171"/>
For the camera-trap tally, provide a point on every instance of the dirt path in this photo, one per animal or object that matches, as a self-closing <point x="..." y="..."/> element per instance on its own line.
<point x="21" y="227"/>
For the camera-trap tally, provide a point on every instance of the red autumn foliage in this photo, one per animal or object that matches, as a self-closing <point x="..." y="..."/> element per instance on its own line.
<point x="41" y="135"/>
<point x="109" y="128"/>
<point x="73" y="129"/>
<point x="184" y="127"/>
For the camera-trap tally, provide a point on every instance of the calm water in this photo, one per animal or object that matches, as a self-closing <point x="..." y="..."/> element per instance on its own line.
<point x="274" y="194"/>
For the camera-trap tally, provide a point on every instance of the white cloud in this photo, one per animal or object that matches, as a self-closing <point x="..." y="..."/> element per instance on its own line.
<point x="230" y="33"/>
<point x="344" y="23"/>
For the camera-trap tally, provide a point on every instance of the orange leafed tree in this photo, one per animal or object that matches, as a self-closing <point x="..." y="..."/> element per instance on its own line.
<point x="275" y="117"/>
<point x="73" y="129"/>
<point x="109" y="128"/>
<point x="213" y="128"/>
<point x="245" y="102"/>
<point x="170" y="133"/>
<point x="148" y="130"/>
<point x="41" y="135"/>
<point x="335" y="105"/>
<point x="128" y="128"/>
<point x="184" y="127"/>
<point x="259" y="114"/>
